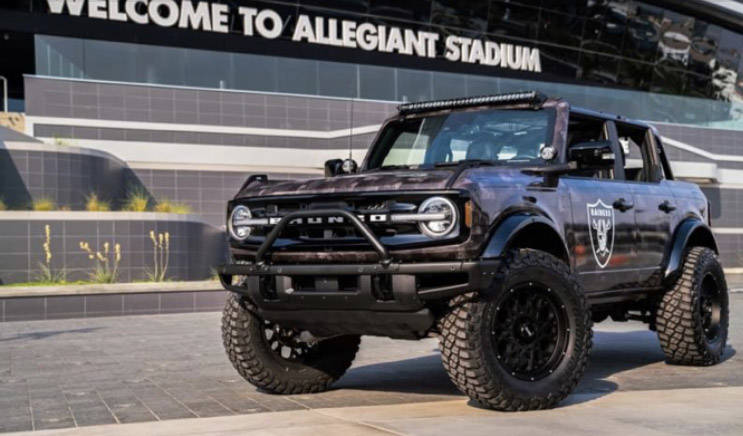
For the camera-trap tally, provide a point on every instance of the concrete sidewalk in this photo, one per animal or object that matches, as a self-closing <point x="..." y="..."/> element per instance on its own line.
<point x="667" y="412"/>
<point x="134" y="371"/>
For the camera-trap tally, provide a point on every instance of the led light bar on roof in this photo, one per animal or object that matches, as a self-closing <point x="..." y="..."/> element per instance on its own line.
<point x="510" y="98"/>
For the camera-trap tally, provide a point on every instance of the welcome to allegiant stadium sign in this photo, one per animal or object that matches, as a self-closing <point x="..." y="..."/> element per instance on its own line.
<point x="267" y="23"/>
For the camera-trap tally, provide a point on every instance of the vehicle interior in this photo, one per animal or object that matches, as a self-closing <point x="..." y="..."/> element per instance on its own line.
<point x="583" y="129"/>
<point x="499" y="136"/>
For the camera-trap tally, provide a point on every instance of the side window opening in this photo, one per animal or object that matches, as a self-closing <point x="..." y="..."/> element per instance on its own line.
<point x="636" y="150"/>
<point x="588" y="129"/>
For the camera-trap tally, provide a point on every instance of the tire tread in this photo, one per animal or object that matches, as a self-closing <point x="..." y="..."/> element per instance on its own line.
<point x="241" y="343"/>
<point x="461" y="342"/>
<point x="679" y="327"/>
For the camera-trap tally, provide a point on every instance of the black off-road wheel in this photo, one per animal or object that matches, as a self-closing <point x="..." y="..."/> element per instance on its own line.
<point x="524" y="344"/>
<point x="692" y="319"/>
<point x="280" y="360"/>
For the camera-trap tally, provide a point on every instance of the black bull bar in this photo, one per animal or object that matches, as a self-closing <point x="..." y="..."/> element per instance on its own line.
<point x="280" y="295"/>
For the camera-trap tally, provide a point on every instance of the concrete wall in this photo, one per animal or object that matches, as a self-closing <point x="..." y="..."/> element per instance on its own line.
<point x="140" y="123"/>
<point x="206" y="191"/>
<point x="195" y="247"/>
<point x="67" y="175"/>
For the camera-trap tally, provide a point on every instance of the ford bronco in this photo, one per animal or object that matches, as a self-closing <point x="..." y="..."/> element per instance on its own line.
<point x="505" y="225"/>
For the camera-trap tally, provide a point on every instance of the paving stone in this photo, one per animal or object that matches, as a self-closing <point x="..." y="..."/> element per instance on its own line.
<point x="93" y="416"/>
<point x="45" y="420"/>
<point x="207" y="407"/>
<point x="19" y="423"/>
<point x="168" y="410"/>
<point x="9" y="412"/>
<point x="151" y="367"/>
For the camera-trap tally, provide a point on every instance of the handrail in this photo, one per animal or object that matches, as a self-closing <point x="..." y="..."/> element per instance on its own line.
<point x="5" y="93"/>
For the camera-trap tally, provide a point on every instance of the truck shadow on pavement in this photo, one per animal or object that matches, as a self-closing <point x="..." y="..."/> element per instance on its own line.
<point x="630" y="360"/>
<point x="47" y="334"/>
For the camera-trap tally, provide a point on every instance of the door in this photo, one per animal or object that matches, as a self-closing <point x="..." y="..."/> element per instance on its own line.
<point x="655" y="206"/>
<point x="602" y="237"/>
<point x="603" y="233"/>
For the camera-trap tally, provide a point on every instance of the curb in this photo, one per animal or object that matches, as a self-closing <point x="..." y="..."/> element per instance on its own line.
<point x="114" y="288"/>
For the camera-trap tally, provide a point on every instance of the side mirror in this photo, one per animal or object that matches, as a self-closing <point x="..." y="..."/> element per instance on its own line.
<point x="336" y="167"/>
<point x="592" y="154"/>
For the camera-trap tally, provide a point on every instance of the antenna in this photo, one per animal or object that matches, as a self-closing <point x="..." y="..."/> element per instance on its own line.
<point x="350" y="134"/>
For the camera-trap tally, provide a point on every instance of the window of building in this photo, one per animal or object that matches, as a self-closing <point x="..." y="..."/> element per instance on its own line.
<point x="377" y="83"/>
<point x="414" y="85"/>
<point x="471" y="15"/>
<point x="510" y="19"/>
<point x="677" y="94"/>
<point x="414" y="10"/>
<point x="337" y="79"/>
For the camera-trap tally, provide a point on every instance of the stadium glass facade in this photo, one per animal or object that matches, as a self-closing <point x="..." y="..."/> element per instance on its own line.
<point x="637" y="58"/>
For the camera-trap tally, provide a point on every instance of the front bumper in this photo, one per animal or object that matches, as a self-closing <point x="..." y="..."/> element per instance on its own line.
<point x="388" y="300"/>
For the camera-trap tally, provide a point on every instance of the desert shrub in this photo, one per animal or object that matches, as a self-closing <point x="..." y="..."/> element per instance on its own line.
<point x="95" y="204"/>
<point x="105" y="262"/>
<point x="46" y="273"/>
<point x="160" y="256"/>
<point x="167" y="206"/>
<point x="43" y="204"/>
<point x="136" y="201"/>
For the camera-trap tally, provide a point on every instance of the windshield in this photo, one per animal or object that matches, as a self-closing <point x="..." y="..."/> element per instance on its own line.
<point x="497" y="136"/>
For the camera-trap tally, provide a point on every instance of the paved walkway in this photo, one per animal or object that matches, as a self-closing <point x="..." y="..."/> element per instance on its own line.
<point x="671" y="412"/>
<point x="89" y="372"/>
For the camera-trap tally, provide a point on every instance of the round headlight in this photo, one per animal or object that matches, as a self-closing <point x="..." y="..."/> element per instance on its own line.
<point x="238" y="229"/>
<point x="438" y="228"/>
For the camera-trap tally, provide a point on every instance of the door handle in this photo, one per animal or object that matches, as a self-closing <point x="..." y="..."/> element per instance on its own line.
<point x="623" y="205"/>
<point x="666" y="207"/>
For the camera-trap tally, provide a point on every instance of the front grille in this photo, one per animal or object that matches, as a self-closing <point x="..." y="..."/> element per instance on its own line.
<point x="332" y="234"/>
<point x="329" y="230"/>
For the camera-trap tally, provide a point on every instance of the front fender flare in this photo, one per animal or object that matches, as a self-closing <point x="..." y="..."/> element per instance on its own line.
<point x="503" y="235"/>
<point x="690" y="231"/>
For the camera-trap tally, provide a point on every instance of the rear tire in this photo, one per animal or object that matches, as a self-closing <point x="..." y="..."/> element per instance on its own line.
<point x="524" y="344"/>
<point x="275" y="359"/>
<point x="692" y="319"/>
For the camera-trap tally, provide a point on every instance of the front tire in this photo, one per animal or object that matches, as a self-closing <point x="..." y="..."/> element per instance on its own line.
<point x="524" y="344"/>
<point x="277" y="359"/>
<point x="692" y="318"/>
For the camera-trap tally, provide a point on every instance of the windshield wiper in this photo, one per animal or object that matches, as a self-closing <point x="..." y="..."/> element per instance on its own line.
<point x="464" y="162"/>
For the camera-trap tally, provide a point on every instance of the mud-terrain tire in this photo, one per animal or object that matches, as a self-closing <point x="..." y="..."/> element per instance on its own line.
<point x="470" y="346"/>
<point x="250" y="352"/>
<point x="692" y="318"/>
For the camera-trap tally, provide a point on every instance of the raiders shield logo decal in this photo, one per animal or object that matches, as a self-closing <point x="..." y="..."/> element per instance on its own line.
<point x="601" y="229"/>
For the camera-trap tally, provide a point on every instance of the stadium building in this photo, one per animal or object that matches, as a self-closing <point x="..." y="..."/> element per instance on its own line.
<point x="191" y="96"/>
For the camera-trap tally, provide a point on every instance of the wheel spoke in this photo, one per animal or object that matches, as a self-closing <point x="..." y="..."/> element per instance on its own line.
<point x="526" y="332"/>
<point x="286" y="343"/>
